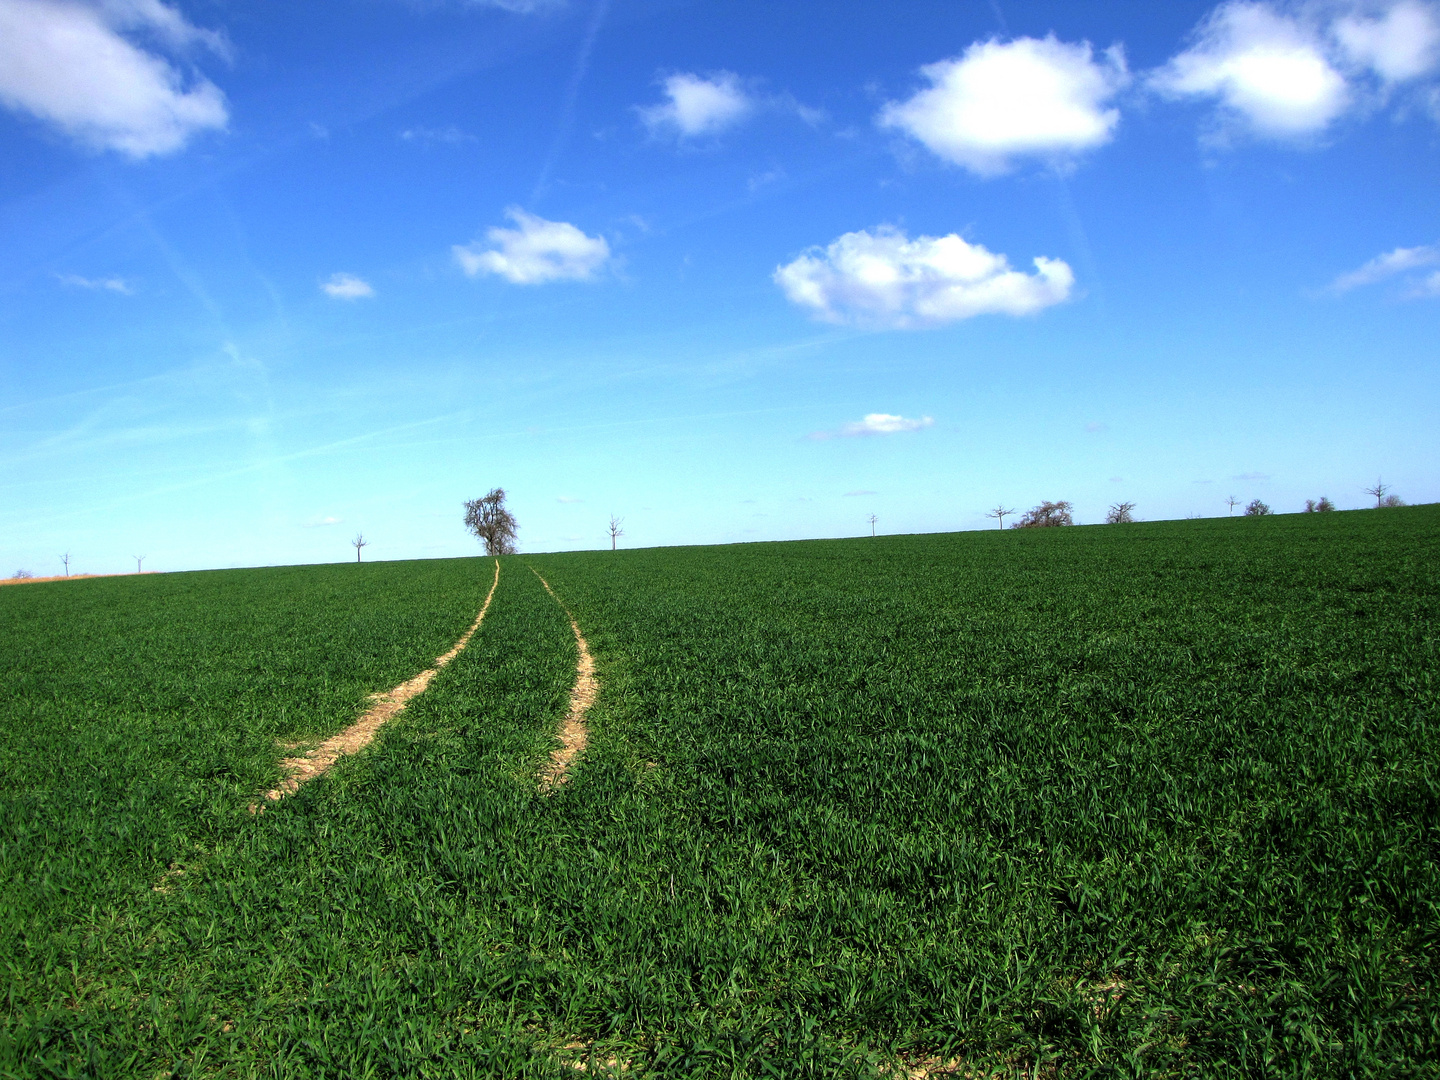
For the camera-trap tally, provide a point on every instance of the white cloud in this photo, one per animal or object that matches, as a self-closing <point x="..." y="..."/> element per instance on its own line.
<point x="857" y="494"/>
<point x="1426" y="289"/>
<point x="448" y="136"/>
<point x="165" y="22"/>
<point x="1388" y="265"/>
<point x="347" y="287"/>
<point x="321" y="522"/>
<point x="1003" y="100"/>
<point x="113" y="284"/>
<point x="699" y="106"/>
<point x="875" y="423"/>
<point x="1402" y="43"/>
<point x="1291" y="70"/>
<point x="568" y="499"/>
<point x="520" y="7"/>
<point x="884" y="279"/>
<point x="535" y="252"/>
<point x="1265" y="67"/>
<point x="68" y="64"/>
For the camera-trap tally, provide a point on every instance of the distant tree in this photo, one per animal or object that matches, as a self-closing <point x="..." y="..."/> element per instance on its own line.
<point x="1378" y="491"/>
<point x="1256" y="509"/>
<point x="1392" y="500"/>
<point x="1046" y="515"/>
<point x="615" y="530"/>
<point x="1233" y="502"/>
<point x="66" y="560"/>
<point x="872" y="519"/>
<point x="358" y="543"/>
<point x="492" y="523"/>
<point x="21" y="575"/>
<point x="1120" y="514"/>
<point x="1000" y="513"/>
<point x="1324" y="506"/>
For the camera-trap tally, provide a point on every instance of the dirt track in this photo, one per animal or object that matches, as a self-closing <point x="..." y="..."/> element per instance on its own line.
<point x="309" y="765"/>
<point x="573" y="732"/>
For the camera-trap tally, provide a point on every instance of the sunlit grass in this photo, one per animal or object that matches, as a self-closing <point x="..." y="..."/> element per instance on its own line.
<point x="1149" y="799"/>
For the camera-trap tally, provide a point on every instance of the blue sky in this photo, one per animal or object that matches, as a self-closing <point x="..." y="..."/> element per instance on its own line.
<point x="274" y="274"/>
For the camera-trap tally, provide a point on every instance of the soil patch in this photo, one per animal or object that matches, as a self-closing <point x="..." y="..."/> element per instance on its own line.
<point x="358" y="735"/>
<point x="64" y="577"/>
<point x="573" y="733"/>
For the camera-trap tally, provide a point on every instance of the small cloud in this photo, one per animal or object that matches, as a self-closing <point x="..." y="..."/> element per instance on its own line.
<point x="765" y="179"/>
<point x="856" y="494"/>
<point x="1290" y="70"/>
<point x="346" y="287"/>
<point x="1401" y="44"/>
<point x="1117" y="479"/>
<point x="446" y="136"/>
<point x="1097" y="426"/>
<point x="322" y="522"/>
<point x="1202" y="481"/>
<point x="573" y="539"/>
<point x="641" y="225"/>
<point x="535" y="252"/>
<point x="111" y="284"/>
<point x="1267" y="69"/>
<point x="875" y="424"/>
<point x="1251" y="476"/>
<point x="1426" y="289"/>
<point x="696" y="105"/>
<point x="884" y="279"/>
<point x="568" y="499"/>
<point x="1004" y="100"/>
<point x="1388" y="265"/>
<point x="812" y="116"/>
<point x="319" y="131"/>
<point x="520" y="7"/>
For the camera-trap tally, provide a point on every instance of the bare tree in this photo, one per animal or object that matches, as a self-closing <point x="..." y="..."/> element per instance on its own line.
<point x="21" y="575"/>
<point x="358" y="543"/>
<point x="139" y="563"/>
<point x="1378" y="491"/>
<point x="1120" y="514"/>
<point x="1257" y="509"/>
<point x="1046" y="515"/>
<point x="66" y="560"/>
<point x="1233" y="502"/>
<point x="492" y="523"/>
<point x="1001" y="512"/>
<point x="1324" y="506"/>
<point x="615" y="530"/>
<point x="872" y="519"/>
<point x="1392" y="500"/>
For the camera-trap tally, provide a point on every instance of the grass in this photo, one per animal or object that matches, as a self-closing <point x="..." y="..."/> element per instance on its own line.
<point x="1145" y="800"/>
<point x="140" y="716"/>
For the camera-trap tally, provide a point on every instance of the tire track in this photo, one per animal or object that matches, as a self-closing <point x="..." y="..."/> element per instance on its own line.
<point x="307" y="766"/>
<point x="573" y="734"/>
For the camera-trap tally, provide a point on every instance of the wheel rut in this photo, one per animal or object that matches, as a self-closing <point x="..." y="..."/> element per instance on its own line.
<point x="574" y="733"/>
<point x="305" y="767"/>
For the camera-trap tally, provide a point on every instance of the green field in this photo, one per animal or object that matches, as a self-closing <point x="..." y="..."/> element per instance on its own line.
<point x="1152" y="800"/>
